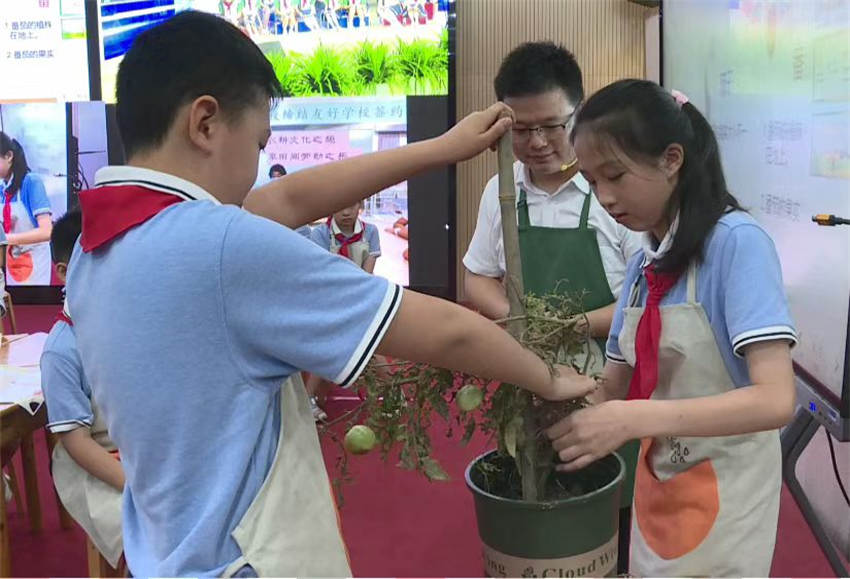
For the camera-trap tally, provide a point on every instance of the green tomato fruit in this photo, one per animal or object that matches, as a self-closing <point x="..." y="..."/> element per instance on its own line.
<point x="360" y="439"/>
<point x="469" y="398"/>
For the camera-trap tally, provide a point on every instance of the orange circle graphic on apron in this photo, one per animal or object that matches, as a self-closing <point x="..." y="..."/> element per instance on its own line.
<point x="676" y="515"/>
<point x="20" y="268"/>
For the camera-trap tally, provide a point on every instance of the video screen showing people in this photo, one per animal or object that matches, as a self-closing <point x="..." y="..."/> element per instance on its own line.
<point x="43" y="51"/>
<point x="312" y="131"/>
<point x="34" y="178"/>
<point x="317" y="47"/>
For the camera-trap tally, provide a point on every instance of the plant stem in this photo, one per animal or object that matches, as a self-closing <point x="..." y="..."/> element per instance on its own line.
<point x="527" y="447"/>
<point x="342" y="417"/>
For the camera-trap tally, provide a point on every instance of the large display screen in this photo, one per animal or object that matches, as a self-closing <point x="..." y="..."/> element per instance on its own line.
<point x="60" y="162"/>
<point x="43" y="52"/>
<point x="317" y="47"/>
<point x="313" y="131"/>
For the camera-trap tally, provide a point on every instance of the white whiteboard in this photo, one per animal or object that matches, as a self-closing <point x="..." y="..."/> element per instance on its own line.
<point x="773" y="78"/>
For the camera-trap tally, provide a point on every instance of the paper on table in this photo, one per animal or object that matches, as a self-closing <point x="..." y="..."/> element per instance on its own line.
<point x="21" y="386"/>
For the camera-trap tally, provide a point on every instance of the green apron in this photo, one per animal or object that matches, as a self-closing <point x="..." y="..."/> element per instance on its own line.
<point x="569" y="260"/>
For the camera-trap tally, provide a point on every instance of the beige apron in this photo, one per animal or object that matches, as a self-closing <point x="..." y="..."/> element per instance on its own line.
<point x="358" y="251"/>
<point x="95" y="505"/>
<point x="26" y="264"/>
<point x="292" y="527"/>
<point x="704" y="506"/>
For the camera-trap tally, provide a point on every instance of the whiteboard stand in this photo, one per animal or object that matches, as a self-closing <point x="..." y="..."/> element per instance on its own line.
<point x="795" y="438"/>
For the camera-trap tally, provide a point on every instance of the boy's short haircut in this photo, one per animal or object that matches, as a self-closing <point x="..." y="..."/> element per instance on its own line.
<point x="534" y="68"/>
<point x="188" y="56"/>
<point x="65" y="232"/>
<point x="277" y="168"/>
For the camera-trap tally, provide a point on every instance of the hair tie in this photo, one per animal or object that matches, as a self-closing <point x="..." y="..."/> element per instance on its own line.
<point x="680" y="97"/>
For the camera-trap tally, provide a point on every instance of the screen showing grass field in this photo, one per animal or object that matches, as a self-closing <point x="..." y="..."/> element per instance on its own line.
<point x="365" y="48"/>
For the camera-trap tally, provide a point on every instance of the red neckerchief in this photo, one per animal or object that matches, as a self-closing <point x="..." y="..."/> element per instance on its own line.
<point x="110" y="211"/>
<point x="648" y="336"/>
<point x="344" y="241"/>
<point x="63" y="317"/>
<point x="7" y="211"/>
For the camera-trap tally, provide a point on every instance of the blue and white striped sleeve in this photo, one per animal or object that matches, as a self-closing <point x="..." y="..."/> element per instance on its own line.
<point x="612" y="347"/>
<point x="34" y="196"/>
<point x="321" y="236"/>
<point x="755" y="305"/>
<point x="373" y="236"/>
<point x="68" y="403"/>
<point x="293" y="306"/>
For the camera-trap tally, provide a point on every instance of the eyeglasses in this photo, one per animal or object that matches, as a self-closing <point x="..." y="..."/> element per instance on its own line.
<point x="546" y="132"/>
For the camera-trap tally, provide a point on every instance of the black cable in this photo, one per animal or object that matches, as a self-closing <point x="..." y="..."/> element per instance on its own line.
<point x="835" y="468"/>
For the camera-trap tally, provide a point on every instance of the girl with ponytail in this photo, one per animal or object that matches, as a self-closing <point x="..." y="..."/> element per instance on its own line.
<point x="699" y="346"/>
<point x="26" y="217"/>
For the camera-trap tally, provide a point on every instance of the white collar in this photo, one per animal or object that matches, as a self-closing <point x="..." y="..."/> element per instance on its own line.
<point x="150" y="179"/>
<point x="523" y="179"/>
<point x="8" y="181"/>
<point x="652" y="250"/>
<point x="335" y="230"/>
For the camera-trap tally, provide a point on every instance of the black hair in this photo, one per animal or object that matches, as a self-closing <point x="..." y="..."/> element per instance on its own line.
<point x="534" y="68"/>
<point x="19" y="161"/>
<point x="188" y="56"/>
<point x="642" y="119"/>
<point x="277" y="168"/>
<point x="65" y="232"/>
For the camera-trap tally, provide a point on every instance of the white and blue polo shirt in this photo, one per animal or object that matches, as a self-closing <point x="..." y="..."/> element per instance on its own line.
<point x="321" y="234"/>
<point x="187" y="325"/>
<point x="739" y="284"/>
<point x="66" y="390"/>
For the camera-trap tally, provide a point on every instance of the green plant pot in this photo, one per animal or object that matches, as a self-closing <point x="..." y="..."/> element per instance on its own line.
<point x="571" y="537"/>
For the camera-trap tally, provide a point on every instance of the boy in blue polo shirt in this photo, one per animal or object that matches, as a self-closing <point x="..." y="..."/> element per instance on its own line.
<point x="194" y="317"/>
<point x="88" y="477"/>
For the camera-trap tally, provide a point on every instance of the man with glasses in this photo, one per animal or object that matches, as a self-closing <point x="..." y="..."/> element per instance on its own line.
<point x="568" y="242"/>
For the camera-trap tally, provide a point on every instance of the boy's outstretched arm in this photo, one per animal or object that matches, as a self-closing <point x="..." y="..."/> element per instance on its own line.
<point x="92" y="457"/>
<point x="441" y="333"/>
<point x="314" y="193"/>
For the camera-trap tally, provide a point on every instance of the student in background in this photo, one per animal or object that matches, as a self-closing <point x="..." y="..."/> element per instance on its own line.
<point x="699" y="346"/>
<point x="308" y="14"/>
<point x="345" y="234"/>
<point x="194" y="353"/>
<point x="86" y="471"/>
<point x="331" y="10"/>
<point x="26" y="217"/>
<point x="386" y="15"/>
<point x="356" y="9"/>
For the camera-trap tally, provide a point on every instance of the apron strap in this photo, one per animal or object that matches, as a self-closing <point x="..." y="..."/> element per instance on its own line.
<point x="585" y="211"/>
<point x="522" y="209"/>
<point x="692" y="282"/>
<point x="634" y="293"/>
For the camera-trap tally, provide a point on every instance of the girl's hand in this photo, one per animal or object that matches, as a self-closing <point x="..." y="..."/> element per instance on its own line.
<point x="591" y="433"/>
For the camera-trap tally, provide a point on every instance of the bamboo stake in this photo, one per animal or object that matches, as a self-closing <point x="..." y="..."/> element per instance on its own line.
<point x="527" y="446"/>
